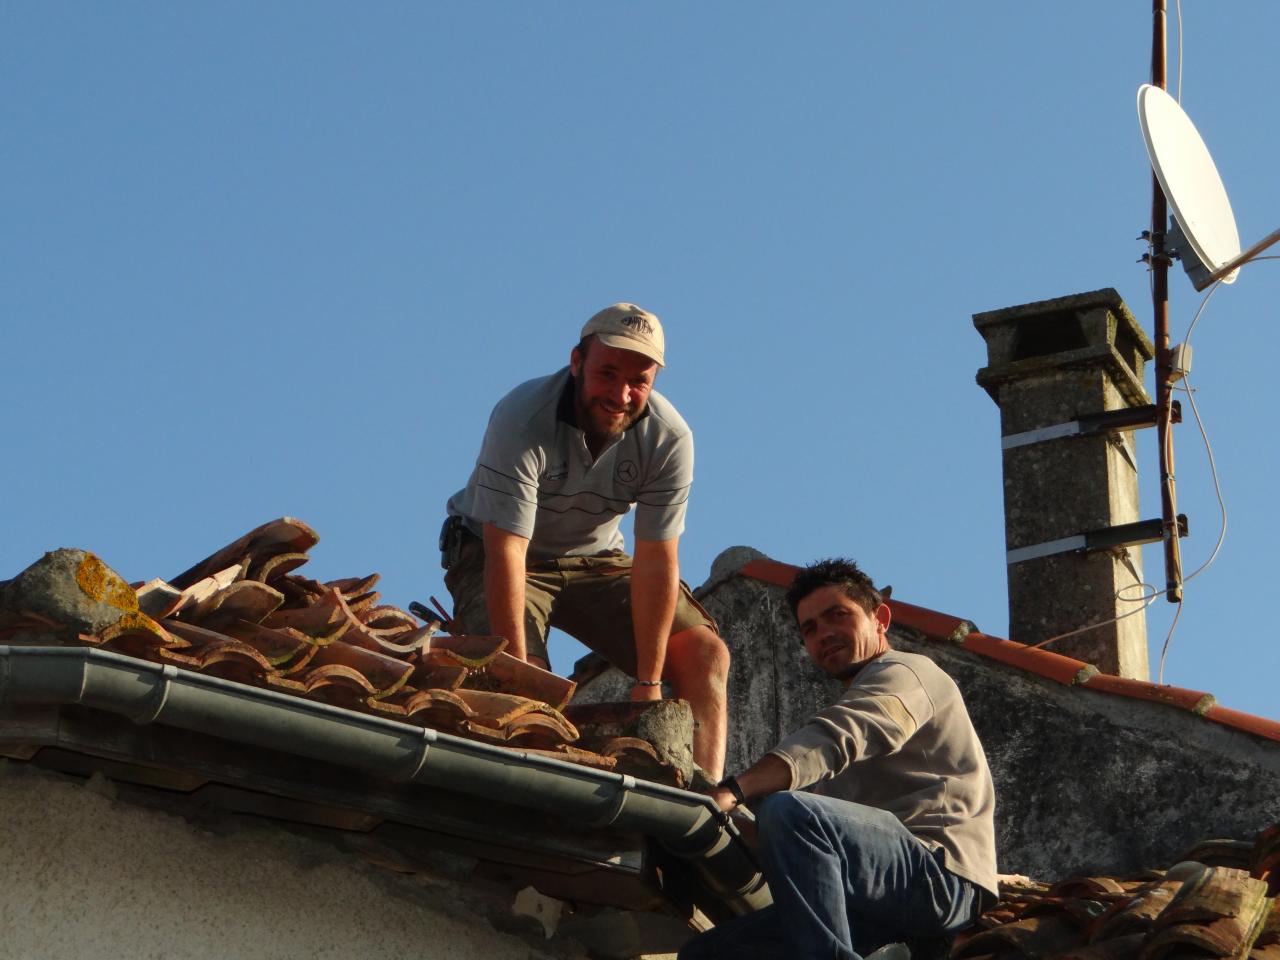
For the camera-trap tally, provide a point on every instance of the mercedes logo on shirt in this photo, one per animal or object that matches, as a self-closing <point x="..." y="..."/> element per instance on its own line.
<point x="626" y="471"/>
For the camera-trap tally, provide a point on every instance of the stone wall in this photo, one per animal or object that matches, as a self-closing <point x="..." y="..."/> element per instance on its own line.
<point x="86" y="875"/>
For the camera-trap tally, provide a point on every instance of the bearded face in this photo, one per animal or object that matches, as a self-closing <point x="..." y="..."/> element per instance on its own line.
<point x="611" y="388"/>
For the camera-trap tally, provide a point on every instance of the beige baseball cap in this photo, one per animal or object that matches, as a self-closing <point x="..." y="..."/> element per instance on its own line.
<point x="628" y="327"/>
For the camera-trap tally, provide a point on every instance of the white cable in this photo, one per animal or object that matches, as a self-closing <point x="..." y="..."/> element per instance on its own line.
<point x="1164" y="651"/>
<point x="1147" y="599"/>
<point x="1217" y="484"/>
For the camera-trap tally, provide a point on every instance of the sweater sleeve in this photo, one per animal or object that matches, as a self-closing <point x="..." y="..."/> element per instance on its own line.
<point x="879" y="713"/>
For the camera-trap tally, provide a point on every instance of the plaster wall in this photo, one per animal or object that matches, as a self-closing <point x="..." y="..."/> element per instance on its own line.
<point x="84" y="875"/>
<point x="1085" y="781"/>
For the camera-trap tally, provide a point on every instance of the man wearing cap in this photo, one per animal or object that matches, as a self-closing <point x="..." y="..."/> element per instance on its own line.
<point x="533" y="540"/>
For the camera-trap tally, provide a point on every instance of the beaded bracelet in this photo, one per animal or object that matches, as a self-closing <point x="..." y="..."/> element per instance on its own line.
<point x="647" y="683"/>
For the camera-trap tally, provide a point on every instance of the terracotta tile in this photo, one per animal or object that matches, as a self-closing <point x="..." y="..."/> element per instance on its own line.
<point x="325" y="620"/>
<point x="538" y="729"/>
<point x="285" y="535"/>
<point x="157" y="599"/>
<point x="395" y="643"/>
<point x="574" y="755"/>
<point x="244" y="600"/>
<point x="362" y="603"/>
<point x="1064" y="670"/>
<point x="1258" y="726"/>
<point x="388" y="618"/>
<point x="438" y="676"/>
<point x="138" y="635"/>
<point x="354" y="586"/>
<point x="770" y="571"/>
<point x="288" y="650"/>
<point x="939" y="626"/>
<point x="507" y="674"/>
<point x="496" y="709"/>
<point x="1045" y="936"/>
<point x="469" y="650"/>
<point x="442" y="709"/>
<point x="385" y="674"/>
<point x="1137" y="914"/>
<point x="276" y="567"/>
<point x="1197" y="701"/>
<point x="225" y="658"/>
<point x="206" y="587"/>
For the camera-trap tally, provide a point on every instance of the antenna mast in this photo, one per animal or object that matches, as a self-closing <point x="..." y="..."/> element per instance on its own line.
<point x="1160" y="304"/>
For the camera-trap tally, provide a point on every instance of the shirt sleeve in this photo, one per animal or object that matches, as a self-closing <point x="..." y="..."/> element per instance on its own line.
<point x="663" y="497"/>
<point x="873" y="718"/>
<point x="506" y="479"/>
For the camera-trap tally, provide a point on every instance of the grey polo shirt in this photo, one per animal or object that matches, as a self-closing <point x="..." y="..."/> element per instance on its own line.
<point x="900" y="740"/>
<point x="535" y="477"/>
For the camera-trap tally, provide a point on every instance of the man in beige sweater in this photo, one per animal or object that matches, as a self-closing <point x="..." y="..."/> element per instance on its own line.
<point x="876" y="816"/>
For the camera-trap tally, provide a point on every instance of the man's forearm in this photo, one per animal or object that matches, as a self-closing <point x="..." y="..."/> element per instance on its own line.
<point x="655" y="587"/>
<point x="769" y="774"/>
<point x="504" y="563"/>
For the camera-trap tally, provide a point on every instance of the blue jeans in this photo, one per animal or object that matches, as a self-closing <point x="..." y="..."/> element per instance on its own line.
<point x="846" y="879"/>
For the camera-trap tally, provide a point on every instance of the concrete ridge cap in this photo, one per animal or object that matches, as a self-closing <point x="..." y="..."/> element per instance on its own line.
<point x="1194" y="701"/>
<point x="1102" y="297"/>
<point x="1035" y="660"/>
<point x="771" y="571"/>
<point x="1248" y="722"/>
<point x="1067" y="671"/>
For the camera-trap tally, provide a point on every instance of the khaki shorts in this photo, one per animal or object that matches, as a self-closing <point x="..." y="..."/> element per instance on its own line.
<point x="588" y="598"/>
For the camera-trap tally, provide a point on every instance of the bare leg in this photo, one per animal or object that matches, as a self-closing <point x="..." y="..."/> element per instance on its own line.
<point x="697" y="664"/>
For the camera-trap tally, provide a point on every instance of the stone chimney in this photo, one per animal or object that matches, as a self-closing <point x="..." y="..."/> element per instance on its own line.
<point x="1067" y="375"/>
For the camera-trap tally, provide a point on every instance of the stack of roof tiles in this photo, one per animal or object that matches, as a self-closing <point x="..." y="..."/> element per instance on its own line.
<point x="1222" y="900"/>
<point x="244" y="613"/>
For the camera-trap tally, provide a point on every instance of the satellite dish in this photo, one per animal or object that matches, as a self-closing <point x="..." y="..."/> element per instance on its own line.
<point x="1203" y="232"/>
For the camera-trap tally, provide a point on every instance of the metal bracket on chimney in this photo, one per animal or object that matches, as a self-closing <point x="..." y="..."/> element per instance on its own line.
<point x="1112" y="421"/>
<point x="1125" y="535"/>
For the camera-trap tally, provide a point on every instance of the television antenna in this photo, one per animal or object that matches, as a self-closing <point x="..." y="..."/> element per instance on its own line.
<point x="1202" y="234"/>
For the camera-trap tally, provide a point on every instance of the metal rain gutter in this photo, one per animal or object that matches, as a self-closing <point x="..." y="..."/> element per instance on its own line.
<point x="687" y="824"/>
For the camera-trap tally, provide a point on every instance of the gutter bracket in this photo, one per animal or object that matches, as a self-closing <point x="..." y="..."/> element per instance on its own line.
<point x="420" y="757"/>
<point x="606" y="819"/>
<point x="159" y="697"/>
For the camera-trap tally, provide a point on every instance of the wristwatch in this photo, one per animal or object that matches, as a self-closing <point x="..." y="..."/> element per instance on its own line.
<point x="731" y="784"/>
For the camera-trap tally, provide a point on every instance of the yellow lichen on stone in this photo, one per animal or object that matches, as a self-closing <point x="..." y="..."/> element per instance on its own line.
<point x="99" y="582"/>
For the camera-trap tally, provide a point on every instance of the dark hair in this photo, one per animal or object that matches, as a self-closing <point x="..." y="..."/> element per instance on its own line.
<point x="583" y="344"/>
<point x="834" y="572"/>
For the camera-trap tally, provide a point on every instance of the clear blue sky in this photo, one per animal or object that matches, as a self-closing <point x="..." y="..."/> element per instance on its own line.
<point x="282" y="258"/>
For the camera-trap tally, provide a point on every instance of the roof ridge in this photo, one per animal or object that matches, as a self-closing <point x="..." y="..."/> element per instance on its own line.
<point x="1068" y="671"/>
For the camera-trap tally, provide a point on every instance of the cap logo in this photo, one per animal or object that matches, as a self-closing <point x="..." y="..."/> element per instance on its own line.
<point x="638" y="324"/>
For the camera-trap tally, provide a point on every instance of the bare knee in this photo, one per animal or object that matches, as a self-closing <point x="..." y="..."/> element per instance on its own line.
<point x="698" y="653"/>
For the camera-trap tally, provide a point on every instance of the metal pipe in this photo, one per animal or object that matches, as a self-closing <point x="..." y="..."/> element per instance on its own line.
<point x="686" y="823"/>
<point x="1244" y="257"/>
<point x="1160" y="307"/>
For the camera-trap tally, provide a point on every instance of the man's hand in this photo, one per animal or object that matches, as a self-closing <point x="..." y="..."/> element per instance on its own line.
<point x="724" y="798"/>
<point x="768" y="775"/>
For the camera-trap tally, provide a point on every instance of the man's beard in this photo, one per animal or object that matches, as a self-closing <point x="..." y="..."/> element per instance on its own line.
<point x="596" y="432"/>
